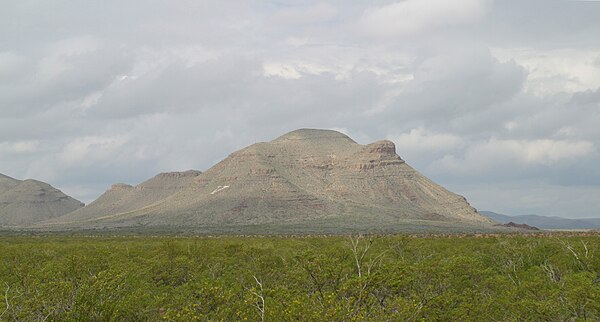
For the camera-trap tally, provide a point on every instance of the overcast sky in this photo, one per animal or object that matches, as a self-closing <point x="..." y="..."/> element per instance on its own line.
<point x="497" y="100"/>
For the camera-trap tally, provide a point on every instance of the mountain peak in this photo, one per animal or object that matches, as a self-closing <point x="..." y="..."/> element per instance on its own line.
<point x="385" y="147"/>
<point x="313" y="135"/>
<point x="30" y="201"/>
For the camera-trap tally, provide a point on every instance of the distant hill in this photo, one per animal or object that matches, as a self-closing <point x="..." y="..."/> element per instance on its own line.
<point x="122" y="198"/>
<point x="545" y="222"/>
<point x="26" y="202"/>
<point x="304" y="181"/>
<point x="511" y="224"/>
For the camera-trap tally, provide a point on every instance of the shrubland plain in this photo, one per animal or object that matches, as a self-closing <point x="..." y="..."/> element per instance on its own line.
<point x="550" y="277"/>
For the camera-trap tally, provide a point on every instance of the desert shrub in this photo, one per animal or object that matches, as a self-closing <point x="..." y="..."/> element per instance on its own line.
<point x="71" y="278"/>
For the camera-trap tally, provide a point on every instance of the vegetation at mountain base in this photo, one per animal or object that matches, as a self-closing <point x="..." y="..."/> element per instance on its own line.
<point x="277" y="278"/>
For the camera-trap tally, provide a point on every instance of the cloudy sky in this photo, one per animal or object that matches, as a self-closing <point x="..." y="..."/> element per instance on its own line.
<point x="497" y="100"/>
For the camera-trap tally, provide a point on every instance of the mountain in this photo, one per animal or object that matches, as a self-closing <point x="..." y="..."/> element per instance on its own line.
<point x="304" y="181"/>
<point x="122" y="198"/>
<point x="545" y="222"/>
<point x="27" y="202"/>
<point x="515" y="225"/>
<point x="7" y="182"/>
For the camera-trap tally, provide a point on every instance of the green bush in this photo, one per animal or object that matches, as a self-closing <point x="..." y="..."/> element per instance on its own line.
<point x="501" y="278"/>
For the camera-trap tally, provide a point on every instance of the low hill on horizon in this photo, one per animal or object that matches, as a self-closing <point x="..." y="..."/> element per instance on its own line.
<point x="545" y="222"/>
<point x="304" y="181"/>
<point x="122" y="198"/>
<point x="26" y="202"/>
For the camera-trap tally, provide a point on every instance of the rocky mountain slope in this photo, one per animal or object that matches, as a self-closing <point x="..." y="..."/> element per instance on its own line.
<point x="122" y="198"/>
<point x="26" y="202"/>
<point x="304" y="181"/>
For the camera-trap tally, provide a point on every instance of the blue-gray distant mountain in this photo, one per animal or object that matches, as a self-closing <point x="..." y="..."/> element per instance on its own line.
<point x="545" y="222"/>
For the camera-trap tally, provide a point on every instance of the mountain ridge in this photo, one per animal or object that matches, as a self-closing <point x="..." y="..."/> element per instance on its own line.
<point x="298" y="179"/>
<point x="123" y="198"/>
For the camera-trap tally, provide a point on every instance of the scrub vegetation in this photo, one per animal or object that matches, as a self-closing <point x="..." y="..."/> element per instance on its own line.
<point x="127" y="278"/>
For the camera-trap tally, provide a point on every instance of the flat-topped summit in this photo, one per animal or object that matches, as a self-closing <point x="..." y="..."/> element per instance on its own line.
<point x="384" y="147"/>
<point x="24" y="202"/>
<point x="313" y="135"/>
<point x="304" y="181"/>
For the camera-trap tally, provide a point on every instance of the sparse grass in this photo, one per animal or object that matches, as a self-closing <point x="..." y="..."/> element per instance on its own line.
<point x="484" y="277"/>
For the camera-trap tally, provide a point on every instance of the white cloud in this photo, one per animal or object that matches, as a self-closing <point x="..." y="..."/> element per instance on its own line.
<point x="281" y="70"/>
<point x="414" y="16"/>
<point x="305" y="14"/>
<point x="421" y="139"/>
<point x="552" y="71"/>
<point x="92" y="149"/>
<point x="542" y="151"/>
<point x="91" y="99"/>
<point x="21" y="147"/>
<point x="295" y="69"/>
<point x="497" y="154"/>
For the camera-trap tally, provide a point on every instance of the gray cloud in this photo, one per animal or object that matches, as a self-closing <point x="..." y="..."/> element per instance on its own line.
<point x="72" y="70"/>
<point x="449" y="88"/>
<point x="487" y="97"/>
<point x="589" y="98"/>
